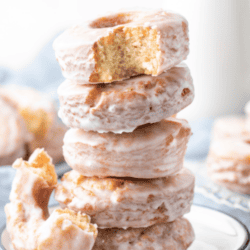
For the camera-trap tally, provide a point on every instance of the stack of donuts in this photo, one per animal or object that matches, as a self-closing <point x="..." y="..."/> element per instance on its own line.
<point x="125" y="81"/>
<point x="228" y="162"/>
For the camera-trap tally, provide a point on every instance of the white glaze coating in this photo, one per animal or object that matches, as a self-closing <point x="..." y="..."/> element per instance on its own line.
<point x="150" y="151"/>
<point x="228" y="171"/>
<point x="231" y="173"/>
<point x="58" y="232"/>
<point x="177" y="235"/>
<point x="24" y="193"/>
<point x="74" y="48"/>
<point x="21" y="226"/>
<point x="126" y="203"/>
<point x="123" y="106"/>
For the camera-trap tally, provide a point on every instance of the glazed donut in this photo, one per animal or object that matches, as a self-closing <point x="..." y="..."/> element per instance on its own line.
<point x="36" y="108"/>
<point x="151" y="151"/>
<point x="177" y="235"/>
<point x="230" y="126"/>
<point x="13" y="134"/>
<point x="124" y="202"/>
<point x="40" y="116"/>
<point x="123" y="106"/>
<point x="228" y="163"/>
<point x="124" y="44"/>
<point x="28" y="221"/>
<point x="228" y="160"/>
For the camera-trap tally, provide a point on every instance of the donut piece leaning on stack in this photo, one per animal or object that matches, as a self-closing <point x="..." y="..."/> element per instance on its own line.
<point x="124" y="82"/>
<point x="28" y="221"/>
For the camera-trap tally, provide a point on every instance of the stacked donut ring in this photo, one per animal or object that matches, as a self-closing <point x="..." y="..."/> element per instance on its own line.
<point x="125" y="83"/>
<point x="228" y="162"/>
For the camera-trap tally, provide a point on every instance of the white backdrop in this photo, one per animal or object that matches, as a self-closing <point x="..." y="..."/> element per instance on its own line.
<point x="219" y="54"/>
<point x="25" y="26"/>
<point x="219" y="42"/>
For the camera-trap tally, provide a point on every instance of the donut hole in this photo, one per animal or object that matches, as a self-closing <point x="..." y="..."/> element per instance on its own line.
<point x="125" y="52"/>
<point x="111" y="21"/>
<point x="247" y="141"/>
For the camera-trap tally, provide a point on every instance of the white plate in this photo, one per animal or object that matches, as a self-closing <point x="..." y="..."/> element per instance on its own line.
<point x="214" y="231"/>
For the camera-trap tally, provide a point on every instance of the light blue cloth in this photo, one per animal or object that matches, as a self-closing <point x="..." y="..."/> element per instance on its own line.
<point x="198" y="145"/>
<point x="45" y="75"/>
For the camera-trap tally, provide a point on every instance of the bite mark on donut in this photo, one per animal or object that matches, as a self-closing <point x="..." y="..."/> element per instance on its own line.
<point x="125" y="52"/>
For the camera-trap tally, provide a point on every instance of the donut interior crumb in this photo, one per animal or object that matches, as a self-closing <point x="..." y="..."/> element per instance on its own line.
<point x="124" y="52"/>
<point x="41" y="164"/>
<point x="110" y="184"/>
<point x="80" y="220"/>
